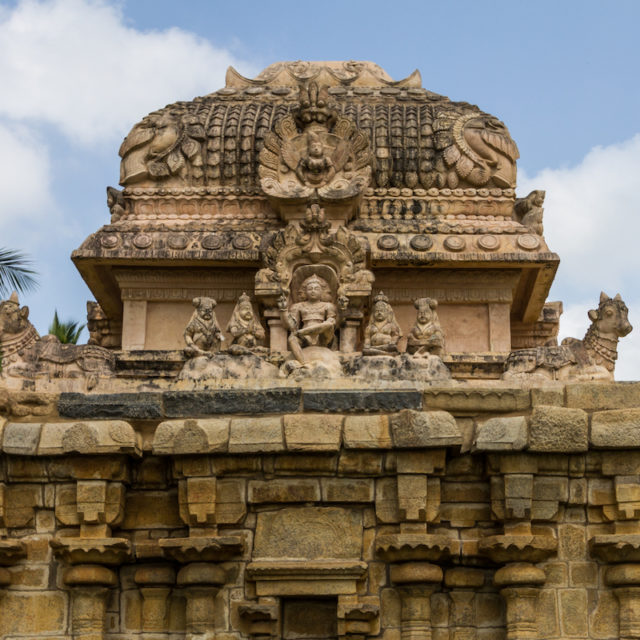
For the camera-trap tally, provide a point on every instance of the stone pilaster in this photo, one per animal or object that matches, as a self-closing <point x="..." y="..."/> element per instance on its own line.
<point x="155" y="583"/>
<point x="416" y="582"/>
<point x="520" y="584"/>
<point x="90" y="586"/>
<point x="201" y="582"/>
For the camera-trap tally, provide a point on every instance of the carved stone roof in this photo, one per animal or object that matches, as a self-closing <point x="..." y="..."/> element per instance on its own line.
<point x="418" y="139"/>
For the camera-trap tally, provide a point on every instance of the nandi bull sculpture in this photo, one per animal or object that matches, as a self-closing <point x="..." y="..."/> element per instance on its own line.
<point x="592" y="358"/>
<point x="26" y="356"/>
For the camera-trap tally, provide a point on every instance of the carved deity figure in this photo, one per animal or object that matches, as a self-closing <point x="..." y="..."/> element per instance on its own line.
<point x="244" y="327"/>
<point x="203" y="335"/>
<point x="311" y="321"/>
<point x="382" y="334"/>
<point x="529" y="211"/>
<point x="316" y="167"/>
<point x="426" y="337"/>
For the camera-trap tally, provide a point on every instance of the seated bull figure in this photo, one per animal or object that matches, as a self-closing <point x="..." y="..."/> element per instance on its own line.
<point x="592" y="358"/>
<point x="26" y="355"/>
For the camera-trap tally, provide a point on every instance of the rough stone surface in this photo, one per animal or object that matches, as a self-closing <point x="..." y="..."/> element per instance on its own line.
<point x="615" y="429"/>
<point x="187" y="404"/>
<point x="361" y="400"/>
<point x="501" y="434"/>
<point x="555" y="429"/>
<point x="618" y="395"/>
<point x="313" y="432"/>
<point x="367" y="432"/>
<point x="256" y="435"/>
<point x="424" y="429"/>
<point x="139" y="406"/>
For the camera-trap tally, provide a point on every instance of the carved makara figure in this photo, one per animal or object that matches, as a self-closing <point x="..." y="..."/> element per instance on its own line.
<point x="426" y="337"/>
<point x="245" y="328"/>
<point x="203" y="335"/>
<point x="592" y="358"/>
<point x="477" y="150"/>
<point x="312" y="320"/>
<point x="529" y="211"/>
<point x="26" y="355"/>
<point x="383" y="333"/>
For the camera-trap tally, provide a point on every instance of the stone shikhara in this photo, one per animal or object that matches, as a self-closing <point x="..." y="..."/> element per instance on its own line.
<point x="322" y="395"/>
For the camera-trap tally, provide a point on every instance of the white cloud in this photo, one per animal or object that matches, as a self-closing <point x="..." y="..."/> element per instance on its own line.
<point x="77" y="65"/>
<point x="25" y="182"/>
<point x="592" y="220"/>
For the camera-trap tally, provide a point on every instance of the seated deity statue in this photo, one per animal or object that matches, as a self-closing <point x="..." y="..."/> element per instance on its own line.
<point x="312" y="320"/>
<point x="245" y="328"/>
<point x="382" y="334"/>
<point x="426" y="337"/>
<point x="203" y="335"/>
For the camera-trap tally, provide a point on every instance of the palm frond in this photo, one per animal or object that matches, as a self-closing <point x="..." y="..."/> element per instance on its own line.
<point x="15" y="272"/>
<point x="67" y="332"/>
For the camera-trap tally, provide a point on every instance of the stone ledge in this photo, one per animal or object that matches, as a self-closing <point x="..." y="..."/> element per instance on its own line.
<point x="599" y="396"/>
<point x="139" y="406"/>
<point x="411" y="429"/>
<point x="616" y="429"/>
<point x="185" y="404"/>
<point x="92" y="437"/>
<point x="555" y="429"/>
<point x="473" y="400"/>
<point x="361" y="400"/>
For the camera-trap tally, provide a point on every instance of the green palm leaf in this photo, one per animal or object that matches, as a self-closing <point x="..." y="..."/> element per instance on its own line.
<point x="15" y="272"/>
<point x="67" y="332"/>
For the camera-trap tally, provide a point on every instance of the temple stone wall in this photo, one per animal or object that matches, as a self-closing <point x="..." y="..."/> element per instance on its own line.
<point x="464" y="513"/>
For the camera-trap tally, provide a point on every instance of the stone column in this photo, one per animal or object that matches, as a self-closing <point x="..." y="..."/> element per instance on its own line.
<point x="349" y="335"/>
<point x="277" y="331"/>
<point x="155" y="582"/>
<point x="201" y="582"/>
<point x="90" y="586"/>
<point x="463" y="582"/>
<point x="625" y="580"/>
<point x="416" y="581"/>
<point x="520" y="586"/>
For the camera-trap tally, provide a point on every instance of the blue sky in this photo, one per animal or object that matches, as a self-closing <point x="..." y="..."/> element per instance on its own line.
<point x="77" y="74"/>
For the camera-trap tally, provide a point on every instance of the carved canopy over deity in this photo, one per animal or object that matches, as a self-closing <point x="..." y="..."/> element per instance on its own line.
<point x="314" y="148"/>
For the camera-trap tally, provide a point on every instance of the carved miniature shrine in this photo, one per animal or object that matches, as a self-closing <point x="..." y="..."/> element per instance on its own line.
<point x="322" y="394"/>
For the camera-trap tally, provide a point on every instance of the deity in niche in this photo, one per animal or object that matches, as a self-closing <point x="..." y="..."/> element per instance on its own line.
<point x="316" y="167"/>
<point x="382" y="334"/>
<point x="203" y="335"/>
<point x="312" y="320"/>
<point x="426" y="337"/>
<point x="245" y="328"/>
